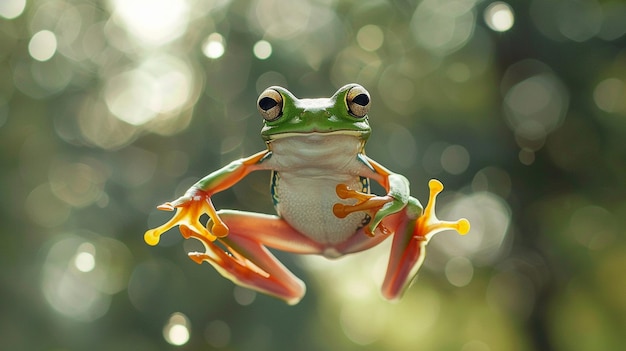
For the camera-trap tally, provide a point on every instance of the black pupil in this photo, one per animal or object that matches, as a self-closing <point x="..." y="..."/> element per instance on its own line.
<point x="267" y="103"/>
<point x="361" y="99"/>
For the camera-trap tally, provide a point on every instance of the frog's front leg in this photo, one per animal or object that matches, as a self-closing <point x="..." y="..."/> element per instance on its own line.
<point x="413" y="230"/>
<point x="413" y="227"/>
<point x="243" y="258"/>
<point x="197" y="201"/>
<point x="379" y="207"/>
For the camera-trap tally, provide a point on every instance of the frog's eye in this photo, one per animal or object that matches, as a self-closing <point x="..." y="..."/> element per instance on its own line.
<point x="270" y="104"/>
<point x="358" y="101"/>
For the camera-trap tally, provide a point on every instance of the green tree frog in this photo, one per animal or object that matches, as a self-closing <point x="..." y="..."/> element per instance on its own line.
<point x="320" y="186"/>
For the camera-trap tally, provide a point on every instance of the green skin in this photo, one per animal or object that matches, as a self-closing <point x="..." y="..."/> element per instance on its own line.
<point x="317" y="148"/>
<point x="320" y="115"/>
<point x="305" y="116"/>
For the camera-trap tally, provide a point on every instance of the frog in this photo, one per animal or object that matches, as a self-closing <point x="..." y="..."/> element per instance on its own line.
<point x="320" y="188"/>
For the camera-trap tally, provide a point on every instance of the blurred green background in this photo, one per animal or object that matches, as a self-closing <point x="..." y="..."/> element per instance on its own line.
<point x="109" y="108"/>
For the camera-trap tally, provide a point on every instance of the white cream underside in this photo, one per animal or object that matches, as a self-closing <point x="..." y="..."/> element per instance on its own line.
<point x="310" y="166"/>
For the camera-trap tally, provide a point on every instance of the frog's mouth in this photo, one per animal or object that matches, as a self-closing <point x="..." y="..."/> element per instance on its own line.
<point x="317" y="135"/>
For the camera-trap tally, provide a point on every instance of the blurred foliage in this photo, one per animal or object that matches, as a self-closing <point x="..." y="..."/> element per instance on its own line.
<point x="108" y="108"/>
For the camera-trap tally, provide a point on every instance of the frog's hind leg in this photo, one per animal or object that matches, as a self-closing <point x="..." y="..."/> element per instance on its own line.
<point x="242" y="256"/>
<point x="413" y="231"/>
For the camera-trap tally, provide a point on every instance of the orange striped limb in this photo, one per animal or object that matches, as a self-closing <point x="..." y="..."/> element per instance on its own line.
<point x="408" y="249"/>
<point x="197" y="201"/>
<point x="243" y="256"/>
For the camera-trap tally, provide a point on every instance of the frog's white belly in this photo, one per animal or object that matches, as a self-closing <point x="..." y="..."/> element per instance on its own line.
<point x="307" y="172"/>
<point x="307" y="205"/>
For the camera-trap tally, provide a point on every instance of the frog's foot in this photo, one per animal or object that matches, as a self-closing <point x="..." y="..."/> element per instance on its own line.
<point x="428" y="224"/>
<point x="189" y="209"/>
<point x="369" y="203"/>
<point x="409" y="243"/>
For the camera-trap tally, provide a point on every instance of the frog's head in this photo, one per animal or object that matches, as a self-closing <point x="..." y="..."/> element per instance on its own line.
<point x="343" y="113"/>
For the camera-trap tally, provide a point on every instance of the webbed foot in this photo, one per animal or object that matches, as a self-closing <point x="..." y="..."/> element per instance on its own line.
<point x="189" y="208"/>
